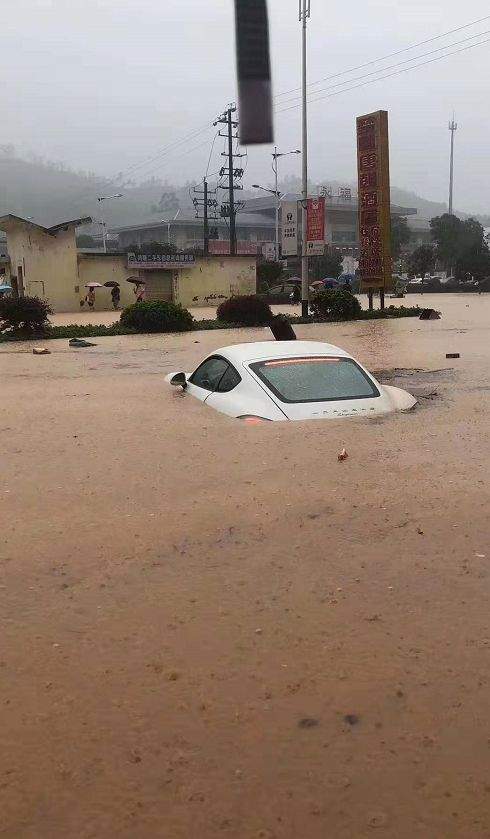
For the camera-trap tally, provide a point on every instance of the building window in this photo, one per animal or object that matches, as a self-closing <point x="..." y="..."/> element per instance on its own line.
<point x="344" y="237"/>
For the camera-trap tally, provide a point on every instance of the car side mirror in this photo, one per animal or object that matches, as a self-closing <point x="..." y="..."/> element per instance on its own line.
<point x="179" y="380"/>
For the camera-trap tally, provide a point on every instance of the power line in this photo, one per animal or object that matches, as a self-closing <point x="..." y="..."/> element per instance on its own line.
<point x="388" y="76"/>
<point x="177" y="143"/>
<point x="384" y="57"/>
<point x="165" y="151"/>
<point x="398" y="64"/>
<point x="211" y="153"/>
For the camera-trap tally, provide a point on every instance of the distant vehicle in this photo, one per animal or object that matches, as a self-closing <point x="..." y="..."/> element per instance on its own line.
<point x="284" y="292"/>
<point x="289" y="380"/>
<point x="416" y="281"/>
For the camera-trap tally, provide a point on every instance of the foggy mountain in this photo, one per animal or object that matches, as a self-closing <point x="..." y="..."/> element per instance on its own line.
<point x="49" y="193"/>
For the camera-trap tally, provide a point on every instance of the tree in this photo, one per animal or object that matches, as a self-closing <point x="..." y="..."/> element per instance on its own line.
<point x="150" y="248"/>
<point x="328" y="265"/>
<point x="268" y="272"/>
<point x="86" y="241"/>
<point x="422" y="260"/>
<point x="446" y="233"/>
<point x="461" y="245"/>
<point x="400" y="235"/>
<point x="169" y="203"/>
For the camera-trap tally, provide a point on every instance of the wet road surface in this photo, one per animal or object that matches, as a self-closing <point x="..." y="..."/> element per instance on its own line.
<point x="211" y="629"/>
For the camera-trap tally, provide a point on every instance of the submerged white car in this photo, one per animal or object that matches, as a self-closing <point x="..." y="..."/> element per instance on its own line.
<point x="289" y="380"/>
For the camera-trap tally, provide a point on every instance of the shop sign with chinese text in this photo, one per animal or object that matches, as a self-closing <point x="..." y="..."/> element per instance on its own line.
<point x="162" y="261"/>
<point x="289" y="212"/>
<point x="373" y="167"/>
<point x="315" y="215"/>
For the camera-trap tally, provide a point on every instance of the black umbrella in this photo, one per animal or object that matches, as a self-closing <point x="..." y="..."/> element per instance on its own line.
<point x="111" y="284"/>
<point x="137" y="280"/>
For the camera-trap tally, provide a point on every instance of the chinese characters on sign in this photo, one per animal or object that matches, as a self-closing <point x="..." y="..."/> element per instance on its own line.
<point x="315" y="215"/>
<point x="289" y="211"/>
<point x="374" y="200"/>
<point x="164" y="261"/>
<point x="344" y="193"/>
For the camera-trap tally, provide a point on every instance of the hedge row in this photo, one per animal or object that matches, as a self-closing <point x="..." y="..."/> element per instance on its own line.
<point x="161" y="317"/>
<point x="95" y="331"/>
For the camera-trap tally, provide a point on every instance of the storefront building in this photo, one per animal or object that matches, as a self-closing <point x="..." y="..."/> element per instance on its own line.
<point x="45" y="262"/>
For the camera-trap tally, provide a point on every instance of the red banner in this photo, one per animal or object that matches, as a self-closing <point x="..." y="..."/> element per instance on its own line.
<point x="315" y="237"/>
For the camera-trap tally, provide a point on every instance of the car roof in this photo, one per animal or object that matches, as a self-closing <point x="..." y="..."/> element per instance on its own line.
<point x="260" y="350"/>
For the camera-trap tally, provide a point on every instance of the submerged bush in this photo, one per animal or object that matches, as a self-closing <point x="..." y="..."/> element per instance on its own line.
<point x="246" y="310"/>
<point x="28" y="314"/>
<point x="157" y="316"/>
<point x="335" y="304"/>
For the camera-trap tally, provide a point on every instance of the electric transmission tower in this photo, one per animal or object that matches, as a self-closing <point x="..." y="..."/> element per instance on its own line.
<point x="209" y="207"/>
<point x="230" y="174"/>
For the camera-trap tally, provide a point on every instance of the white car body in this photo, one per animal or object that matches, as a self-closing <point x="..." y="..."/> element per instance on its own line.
<point x="253" y="396"/>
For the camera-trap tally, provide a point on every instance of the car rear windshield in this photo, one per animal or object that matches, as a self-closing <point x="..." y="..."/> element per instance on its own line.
<point x="315" y="379"/>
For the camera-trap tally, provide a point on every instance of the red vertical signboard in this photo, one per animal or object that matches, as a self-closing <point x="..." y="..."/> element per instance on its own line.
<point x="374" y="201"/>
<point x="315" y="237"/>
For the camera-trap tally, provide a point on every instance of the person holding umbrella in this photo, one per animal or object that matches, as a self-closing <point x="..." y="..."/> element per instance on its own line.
<point x="116" y="297"/>
<point x="139" y="288"/>
<point x="115" y="293"/>
<point x="90" y="296"/>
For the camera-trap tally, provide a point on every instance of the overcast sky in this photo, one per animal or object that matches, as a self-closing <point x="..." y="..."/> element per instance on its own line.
<point x="106" y="84"/>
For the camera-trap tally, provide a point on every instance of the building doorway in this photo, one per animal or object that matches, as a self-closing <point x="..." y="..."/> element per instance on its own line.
<point x="158" y="285"/>
<point x="20" y="281"/>
<point x="36" y="288"/>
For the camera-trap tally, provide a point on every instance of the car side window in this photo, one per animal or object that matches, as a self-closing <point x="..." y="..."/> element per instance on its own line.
<point x="229" y="380"/>
<point x="209" y="374"/>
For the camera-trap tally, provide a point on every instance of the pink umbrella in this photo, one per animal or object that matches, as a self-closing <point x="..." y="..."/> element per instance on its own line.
<point x="94" y="285"/>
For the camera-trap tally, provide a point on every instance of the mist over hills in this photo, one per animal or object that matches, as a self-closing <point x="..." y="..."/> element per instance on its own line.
<point x="50" y="192"/>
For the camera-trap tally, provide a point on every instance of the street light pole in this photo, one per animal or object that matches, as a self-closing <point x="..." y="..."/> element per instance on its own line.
<point x="104" y="232"/>
<point x="304" y="14"/>
<point x="168" y="222"/>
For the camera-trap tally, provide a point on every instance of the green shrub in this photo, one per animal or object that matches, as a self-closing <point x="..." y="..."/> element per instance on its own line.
<point x="157" y="316"/>
<point x="245" y="310"/>
<point x="391" y="312"/>
<point x="335" y="304"/>
<point x="28" y="314"/>
<point x="268" y="273"/>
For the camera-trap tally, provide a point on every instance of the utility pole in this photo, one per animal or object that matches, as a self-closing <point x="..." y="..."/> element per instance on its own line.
<point x="275" y="157"/>
<point x="231" y="186"/>
<point x="278" y="199"/>
<point x="205" y="226"/>
<point x="230" y="173"/>
<point x="205" y="202"/>
<point x="100" y="199"/>
<point x="453" y="126"/>
<point x="304" y="14"/>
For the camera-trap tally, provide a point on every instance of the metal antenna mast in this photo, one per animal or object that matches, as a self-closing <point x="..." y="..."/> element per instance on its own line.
<point x="453" y="126"/>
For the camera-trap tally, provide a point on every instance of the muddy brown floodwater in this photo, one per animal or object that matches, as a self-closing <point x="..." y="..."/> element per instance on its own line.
<point x="216" y="630"/>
